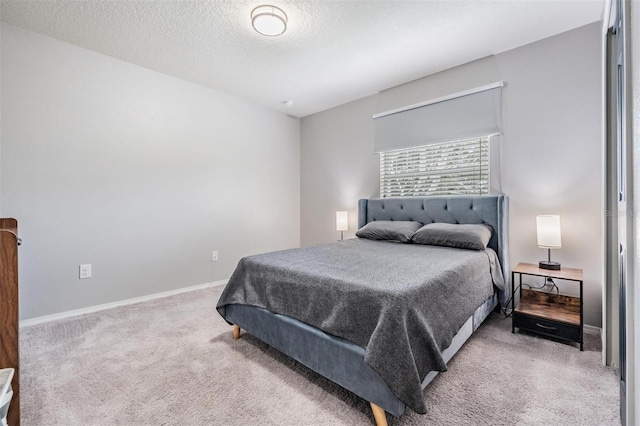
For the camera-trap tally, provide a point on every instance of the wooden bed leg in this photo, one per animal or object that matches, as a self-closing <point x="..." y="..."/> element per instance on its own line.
<point x="236" y="332"/>
<point x="379" y="415"/>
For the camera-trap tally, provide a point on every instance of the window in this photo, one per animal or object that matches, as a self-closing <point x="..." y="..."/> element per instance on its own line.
<point x="451" y="168"/>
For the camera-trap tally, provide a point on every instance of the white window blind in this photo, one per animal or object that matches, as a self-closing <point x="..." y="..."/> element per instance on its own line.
<point x="451" y="168"/>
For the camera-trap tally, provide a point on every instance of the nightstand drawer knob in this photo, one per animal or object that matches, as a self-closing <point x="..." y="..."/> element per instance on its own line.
<point x="546" y="327"/>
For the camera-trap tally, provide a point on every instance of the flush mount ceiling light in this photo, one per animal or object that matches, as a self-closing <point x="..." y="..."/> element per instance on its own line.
<point x="269" y="20"/>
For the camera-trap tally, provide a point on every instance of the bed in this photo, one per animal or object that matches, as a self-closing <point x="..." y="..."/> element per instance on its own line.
<point x="379" y="318"/>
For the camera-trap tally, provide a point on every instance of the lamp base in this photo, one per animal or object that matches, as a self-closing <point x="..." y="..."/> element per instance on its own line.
<point x="547" y="264"/>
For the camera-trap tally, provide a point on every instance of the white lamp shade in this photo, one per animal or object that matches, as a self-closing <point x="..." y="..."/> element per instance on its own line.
<point x="269" y="20"/>
<point x="549" y="235"/>
<point x="342" y="221"/>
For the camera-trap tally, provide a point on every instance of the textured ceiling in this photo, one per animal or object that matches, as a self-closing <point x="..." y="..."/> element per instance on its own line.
<point x="332" y="52"/>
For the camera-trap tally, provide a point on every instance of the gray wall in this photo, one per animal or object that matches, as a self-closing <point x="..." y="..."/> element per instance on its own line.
<point x="551" y="150"/>
<point x="140" y="174"/>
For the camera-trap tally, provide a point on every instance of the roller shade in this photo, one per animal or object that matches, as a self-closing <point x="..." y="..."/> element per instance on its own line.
<point x="471" y="114"/>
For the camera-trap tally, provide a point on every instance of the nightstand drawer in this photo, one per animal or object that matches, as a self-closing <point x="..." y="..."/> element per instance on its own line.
<point x="551" y="328"/>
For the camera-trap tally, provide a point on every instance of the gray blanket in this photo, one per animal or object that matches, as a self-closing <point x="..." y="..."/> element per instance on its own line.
<point x="403" y="303"/>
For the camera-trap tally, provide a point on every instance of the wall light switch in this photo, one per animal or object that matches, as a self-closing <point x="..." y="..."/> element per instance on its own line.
<point x="85" y="271"/>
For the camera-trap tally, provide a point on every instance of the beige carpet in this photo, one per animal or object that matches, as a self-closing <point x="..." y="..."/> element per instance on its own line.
<point x="173" y="362"/>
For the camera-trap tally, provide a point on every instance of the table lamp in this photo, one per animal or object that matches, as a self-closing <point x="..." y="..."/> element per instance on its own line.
<point x="342" y="223"/>
<point x="549" y="237"/>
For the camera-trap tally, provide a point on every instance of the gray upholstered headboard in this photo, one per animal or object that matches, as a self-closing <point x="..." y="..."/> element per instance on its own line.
<point x="492" y="210"/>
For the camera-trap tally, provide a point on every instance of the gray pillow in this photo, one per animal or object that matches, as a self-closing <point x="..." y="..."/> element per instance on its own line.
<point x="394" y="230"/>
<point x="473" y="237"/>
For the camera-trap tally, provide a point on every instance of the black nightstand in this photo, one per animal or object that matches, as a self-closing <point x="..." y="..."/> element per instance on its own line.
<point x="547" y="313"/>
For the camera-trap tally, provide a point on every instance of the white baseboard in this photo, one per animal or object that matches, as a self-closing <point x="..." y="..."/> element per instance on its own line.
<point x="590" y="329"/>
<point x="96" y="308"/>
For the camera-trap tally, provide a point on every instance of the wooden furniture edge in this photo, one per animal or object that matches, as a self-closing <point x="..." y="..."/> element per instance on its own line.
<point x="9" y="329"/>
<point x="9" y="223"/>
<point x="571" y="274"/>
<point x="236" y="332"/>
<point x="379" y="415"/>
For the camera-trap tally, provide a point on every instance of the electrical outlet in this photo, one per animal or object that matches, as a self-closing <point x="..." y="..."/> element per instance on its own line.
<point x="214" y="256"/>
<point x="85" y="271"/>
